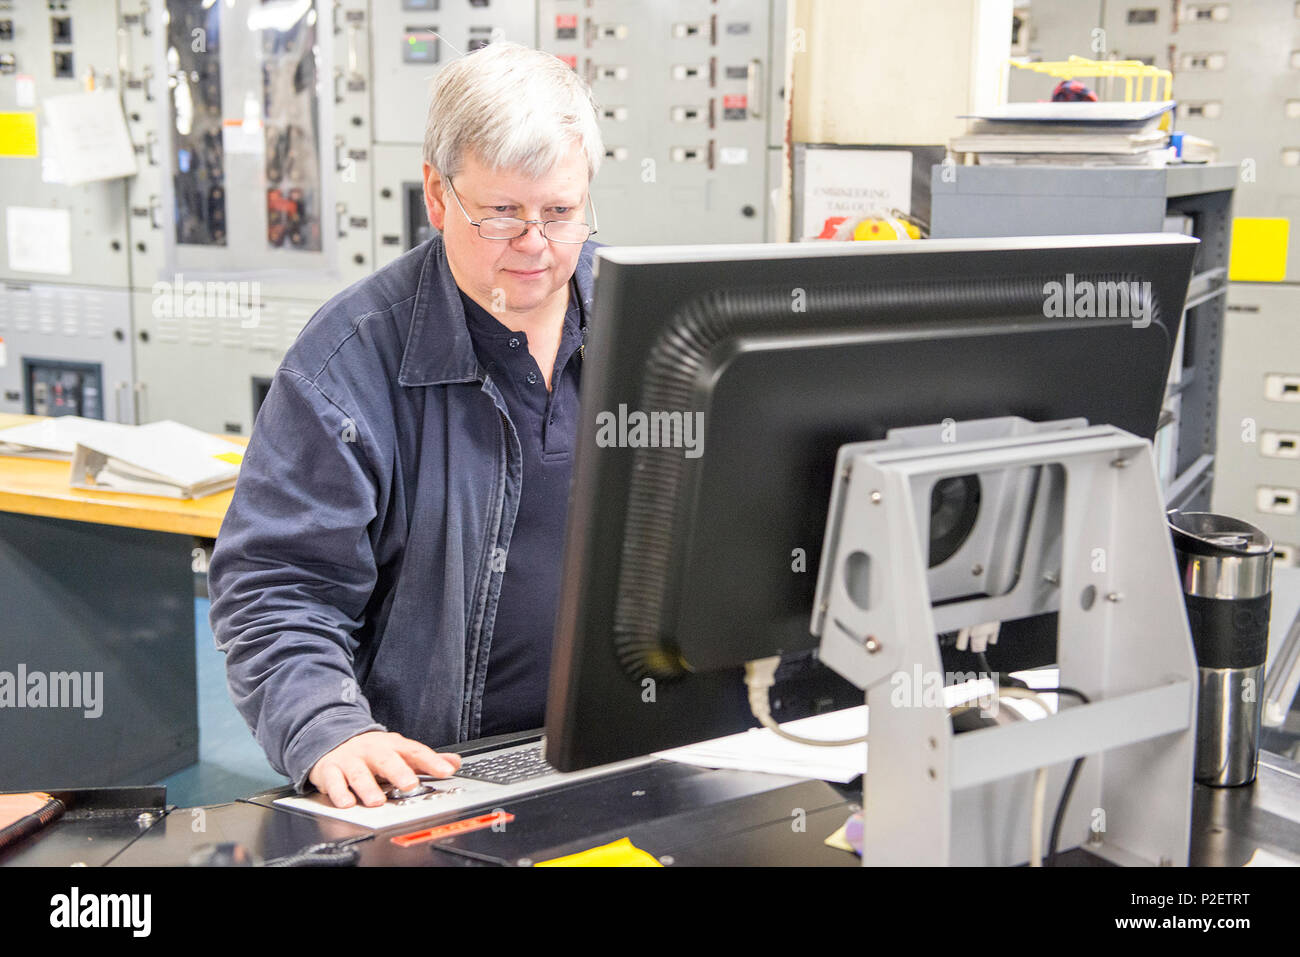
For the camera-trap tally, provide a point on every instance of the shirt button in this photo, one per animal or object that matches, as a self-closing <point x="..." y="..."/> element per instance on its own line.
<point x="514" y="343"/>
<point x="532" y="378"/>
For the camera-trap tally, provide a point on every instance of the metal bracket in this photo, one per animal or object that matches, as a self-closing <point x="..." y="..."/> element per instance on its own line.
<point x="1086" y="530"/>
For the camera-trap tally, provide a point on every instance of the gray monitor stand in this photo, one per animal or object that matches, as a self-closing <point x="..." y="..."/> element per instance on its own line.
<point x="1076" y="514"/>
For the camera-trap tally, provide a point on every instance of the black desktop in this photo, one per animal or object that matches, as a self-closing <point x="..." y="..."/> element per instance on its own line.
<point x="719" y="383"/>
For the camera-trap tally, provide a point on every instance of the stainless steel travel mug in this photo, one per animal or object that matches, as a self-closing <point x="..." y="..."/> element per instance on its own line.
<point x="1226" y="569"/>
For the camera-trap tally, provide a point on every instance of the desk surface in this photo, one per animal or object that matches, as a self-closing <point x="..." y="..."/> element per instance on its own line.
<point x="40" y="487"/>
<point x="679" y="814"/>
<point x="693" y="816"/>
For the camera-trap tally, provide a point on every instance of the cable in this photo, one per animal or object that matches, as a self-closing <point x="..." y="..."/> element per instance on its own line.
<point x="1036" y="818"/>
<point x="50" y="809"/>
<point x="325" y="854"/>
<point x="1005" y="681"/>
<point x="1060" y="811"/>
<point x="760" y="675"/>
<point x="1059" y="819"/>
<point x="1028" y="694"/>
<point x="1040" y="775"/>
<point x="1040" y="781"/>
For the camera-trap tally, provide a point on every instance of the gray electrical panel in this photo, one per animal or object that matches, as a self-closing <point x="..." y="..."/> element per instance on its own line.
<point x="686" y="95"/>
<point x="253" y="205"/>
<point x="200" y="368"/>
<point x="410" y="41"/>
<point x="278" y="150"/>
<point x="46" y="50"/>
<point x="690" y="95"/>
<point x="401" y="221"/>
<point x="256" y="120"/>
<point x="1259" y="414"/>
<point x="65" y="350"/>
<point x="1236" y="69"/>
<point x="65" y="321"/>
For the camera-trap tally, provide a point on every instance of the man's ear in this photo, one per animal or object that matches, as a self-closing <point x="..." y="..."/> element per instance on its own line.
<point x="435" y="200"/>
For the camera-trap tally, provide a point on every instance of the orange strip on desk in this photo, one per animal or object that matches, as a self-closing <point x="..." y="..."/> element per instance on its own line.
<point x="463" y="826"/>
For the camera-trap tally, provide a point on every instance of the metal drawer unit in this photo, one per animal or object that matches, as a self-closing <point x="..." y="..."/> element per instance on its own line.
<point x="1258" y="472"/>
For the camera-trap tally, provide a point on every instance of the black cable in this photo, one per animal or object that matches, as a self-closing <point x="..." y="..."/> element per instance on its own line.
<point x="1050" y="861"/>
<point x="49" y="811"/>
<point x="325" y="854"/>
<point x="1059" y="818"/>
<point x="1004" y="681"/>
<point x="1061" y="805"/>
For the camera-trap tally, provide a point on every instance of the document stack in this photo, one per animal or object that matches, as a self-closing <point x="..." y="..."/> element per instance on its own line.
<point x="1071" y="134"/>
<point x="161" y="458"/>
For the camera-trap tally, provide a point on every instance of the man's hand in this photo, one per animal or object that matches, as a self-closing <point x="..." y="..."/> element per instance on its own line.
<point x="353" y="766"/>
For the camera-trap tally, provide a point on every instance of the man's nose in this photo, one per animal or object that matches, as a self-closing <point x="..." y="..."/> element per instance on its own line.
<point x="532" y="241"/>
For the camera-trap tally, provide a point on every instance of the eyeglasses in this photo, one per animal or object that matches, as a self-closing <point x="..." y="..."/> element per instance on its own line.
<point x="508" y="227"/>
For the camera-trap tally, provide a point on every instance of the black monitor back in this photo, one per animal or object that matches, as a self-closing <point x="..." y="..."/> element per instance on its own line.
<point x="680" y="567"/>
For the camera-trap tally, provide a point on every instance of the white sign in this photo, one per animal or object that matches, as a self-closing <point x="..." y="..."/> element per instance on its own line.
<point x="40" y="240"/>
<point x="850" y="184"/>
<point x="88" y="135"/>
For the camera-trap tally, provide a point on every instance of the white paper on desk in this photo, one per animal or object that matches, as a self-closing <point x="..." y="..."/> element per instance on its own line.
<point x="450" y="795"/>
<point x="759" y="749"/>
<point x="54" y="438"/>
<point x="88" y="134"/>
<point x="161" y="458"/>
<point x="40" y="240"/>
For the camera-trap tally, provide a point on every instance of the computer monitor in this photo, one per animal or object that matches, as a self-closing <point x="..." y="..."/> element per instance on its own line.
<point x="719" y="383"/>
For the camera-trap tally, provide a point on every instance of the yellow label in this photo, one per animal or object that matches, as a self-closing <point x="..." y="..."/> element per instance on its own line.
<point x="18" y="134"/>
<point x="1258" y="250"/>
<point x="234" y="458"/>
<point x="621" y="853"/>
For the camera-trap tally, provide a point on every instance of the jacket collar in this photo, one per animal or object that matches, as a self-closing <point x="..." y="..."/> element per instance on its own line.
<point x="439" y="350"/>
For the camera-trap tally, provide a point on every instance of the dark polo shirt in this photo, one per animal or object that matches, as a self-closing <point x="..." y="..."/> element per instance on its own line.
<point x="519" y="659"/>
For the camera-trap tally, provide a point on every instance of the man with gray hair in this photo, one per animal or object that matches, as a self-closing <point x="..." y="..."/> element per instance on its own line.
<point x="386" y="577"/>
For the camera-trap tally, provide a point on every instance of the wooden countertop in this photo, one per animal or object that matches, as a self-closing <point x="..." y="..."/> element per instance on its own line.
<point x="40" y="487"/>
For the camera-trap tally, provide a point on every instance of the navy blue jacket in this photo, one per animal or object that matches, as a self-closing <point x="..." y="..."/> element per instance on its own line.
<point x="353" y="583"/>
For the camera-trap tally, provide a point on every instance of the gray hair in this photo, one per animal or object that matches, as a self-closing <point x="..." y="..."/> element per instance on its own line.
<point x="512" y="108"/>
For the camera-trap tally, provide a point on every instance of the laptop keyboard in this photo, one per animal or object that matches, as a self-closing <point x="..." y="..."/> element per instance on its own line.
<point x="509" y="768"/>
